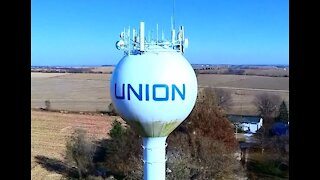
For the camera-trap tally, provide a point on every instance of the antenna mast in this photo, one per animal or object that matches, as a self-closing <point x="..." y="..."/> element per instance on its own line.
<point x="138" y="44"/>
<point x="173" y="24"/>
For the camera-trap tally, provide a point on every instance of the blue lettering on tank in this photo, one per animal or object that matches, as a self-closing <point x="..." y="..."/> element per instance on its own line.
<point x="139" y="92"/>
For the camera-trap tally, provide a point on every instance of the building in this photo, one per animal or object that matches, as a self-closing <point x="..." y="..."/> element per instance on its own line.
<point x="247" y="123"/>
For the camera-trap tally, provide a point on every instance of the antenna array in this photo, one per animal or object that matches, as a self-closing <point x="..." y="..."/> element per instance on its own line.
<point x="138" y="44"/>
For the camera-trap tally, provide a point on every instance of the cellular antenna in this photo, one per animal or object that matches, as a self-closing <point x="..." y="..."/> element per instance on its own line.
<point x="132" y="43"/>
<point x="173" y="19"/>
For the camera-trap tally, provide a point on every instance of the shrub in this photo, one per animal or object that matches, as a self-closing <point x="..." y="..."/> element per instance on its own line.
<point x="204" y="143"/>
<point x="117" y="130"/>
<point x="112" y="110"/>
<point x="207" y="120"/>
<point x="124" y="152"/>
<point x="79" y="153"/>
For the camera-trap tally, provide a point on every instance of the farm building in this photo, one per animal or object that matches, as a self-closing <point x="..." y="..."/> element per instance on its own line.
<point x="247" y="123"/>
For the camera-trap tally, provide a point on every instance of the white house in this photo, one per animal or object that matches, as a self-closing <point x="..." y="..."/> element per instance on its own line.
<point x="247" y="123"/>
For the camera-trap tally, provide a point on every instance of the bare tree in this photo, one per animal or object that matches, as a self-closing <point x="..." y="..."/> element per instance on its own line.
<point x="197" y="72"/>
<point x="267" y="104"/>
<point x="223" y="98"/>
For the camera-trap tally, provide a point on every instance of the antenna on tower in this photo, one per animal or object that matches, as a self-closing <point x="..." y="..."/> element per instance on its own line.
<point x="173" y="19"/>
<point x="162" y="36"/>
<point x="157" y="34"/>
<point x="133" y="43"/>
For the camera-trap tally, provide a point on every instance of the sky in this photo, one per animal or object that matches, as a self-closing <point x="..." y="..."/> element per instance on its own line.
<point x="84" y="32"/>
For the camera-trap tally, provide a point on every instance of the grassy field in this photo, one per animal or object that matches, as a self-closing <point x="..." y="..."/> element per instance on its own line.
<point x="49" y="133"/>
<point x="73" y="92"/>
<point x="268" y="72"/>
<point x="90" y="92"/>
<point x="244" y="81"/>
<point x="261" y="71"/>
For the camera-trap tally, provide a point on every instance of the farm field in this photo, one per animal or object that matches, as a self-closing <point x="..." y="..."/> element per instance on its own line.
<point x="90" y="92"/>
<point x="244" y="81"/>
<point x="268" y="71"/>
<point x="49" y="133"/>
<point x="73" y="92"/>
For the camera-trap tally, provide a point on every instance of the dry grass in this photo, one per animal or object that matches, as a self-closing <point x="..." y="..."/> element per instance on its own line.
<point x="90" y="92"/>
<point x="46" y="75"/>
<point x="244" y="89"/>
<point x="243" y="81"/>
<point x="49" y="132"/>
<point x="73" y="92"/>
<point x="243" y="100"/>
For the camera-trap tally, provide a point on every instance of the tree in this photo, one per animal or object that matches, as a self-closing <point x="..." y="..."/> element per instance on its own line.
<point x="204" y="159"/>
<point x="223" y="98"/>
<point x="204" y="143"/>
<point x="267" y="104"/>
<point x="197" y="72"/>
<point x="207" y="120"/>
<point x="47" y="104"/>
<point x="124" y="152"/>
<point x="283" y="113"/>
<point x="80" y="152"/>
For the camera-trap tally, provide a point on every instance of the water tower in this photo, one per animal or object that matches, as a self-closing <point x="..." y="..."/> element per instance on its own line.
<point x="153" y="88"/>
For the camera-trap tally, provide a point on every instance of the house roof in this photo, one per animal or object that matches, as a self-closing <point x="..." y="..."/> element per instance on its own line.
<point x="243" y="118"/>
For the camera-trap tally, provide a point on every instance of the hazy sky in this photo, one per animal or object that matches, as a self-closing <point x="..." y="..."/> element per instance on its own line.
<point x="84" y="32"/>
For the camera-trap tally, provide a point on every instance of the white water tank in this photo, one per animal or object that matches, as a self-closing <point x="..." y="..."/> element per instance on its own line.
<point x="154" y="91"/>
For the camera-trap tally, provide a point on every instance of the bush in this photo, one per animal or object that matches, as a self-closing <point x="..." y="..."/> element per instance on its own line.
<point x="124" y="152"/>
<point x="207" y="120"/>
<point x="204" y="143"/>
<point x="112" y="110"/>
<point x="206" y="160"/>
<point x="79" y="153"/>
<point x="268" y="164"/>
<point x="240" y="130"/>
<point x="275" y="157"/>
<point x="117" y="130"/>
